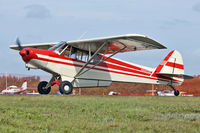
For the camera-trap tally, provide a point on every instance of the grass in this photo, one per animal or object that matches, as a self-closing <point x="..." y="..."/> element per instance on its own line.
<point x="89" y="114"/>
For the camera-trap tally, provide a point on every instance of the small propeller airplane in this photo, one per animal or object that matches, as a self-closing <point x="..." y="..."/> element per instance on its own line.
<point x="15" y="90"/>
<point x="89" y="63"/>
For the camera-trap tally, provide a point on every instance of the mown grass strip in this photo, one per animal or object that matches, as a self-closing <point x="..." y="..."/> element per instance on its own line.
<point x="55" y="114"/>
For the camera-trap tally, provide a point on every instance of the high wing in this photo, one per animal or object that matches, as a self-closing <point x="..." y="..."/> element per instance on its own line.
<point x="131" y="42"/>
<point x="36" y="45"/>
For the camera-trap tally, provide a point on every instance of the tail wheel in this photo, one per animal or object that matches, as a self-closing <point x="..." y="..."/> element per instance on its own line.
<point x="65" y="87"/>
<point x="42" y="88"/>
<point x="176" y="92"/>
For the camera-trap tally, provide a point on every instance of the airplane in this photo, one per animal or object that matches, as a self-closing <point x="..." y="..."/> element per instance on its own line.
<point x="165" y="93"/>
<point x="89" y="63"/>
<point x="171" y="93"/>
<point x="14" y="89"/>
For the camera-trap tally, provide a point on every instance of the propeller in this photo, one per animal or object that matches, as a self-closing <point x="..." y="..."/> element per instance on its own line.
<point x="19" y="44"/>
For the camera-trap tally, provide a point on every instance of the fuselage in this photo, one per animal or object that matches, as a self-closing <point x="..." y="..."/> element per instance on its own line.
<point x="110" y="70"/>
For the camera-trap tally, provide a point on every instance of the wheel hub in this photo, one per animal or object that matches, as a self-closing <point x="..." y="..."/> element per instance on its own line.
<point x="66" y="88"/>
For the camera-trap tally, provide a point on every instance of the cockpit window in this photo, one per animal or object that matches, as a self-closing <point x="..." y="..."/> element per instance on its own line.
<point x="55" y="47"/>
<point x="59" y="47"/>
<point x="63" y="49"/>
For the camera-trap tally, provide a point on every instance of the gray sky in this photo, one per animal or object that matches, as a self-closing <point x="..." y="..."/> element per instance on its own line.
<point x="173" y="23"/>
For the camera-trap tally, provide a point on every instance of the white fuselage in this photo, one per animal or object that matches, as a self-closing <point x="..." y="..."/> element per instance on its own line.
<point x="102" y="74"/>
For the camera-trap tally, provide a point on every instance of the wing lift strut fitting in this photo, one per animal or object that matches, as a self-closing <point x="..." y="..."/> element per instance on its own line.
<point x="100" y="48"/>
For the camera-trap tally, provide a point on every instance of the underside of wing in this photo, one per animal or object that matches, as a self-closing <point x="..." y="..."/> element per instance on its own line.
<point x="36" y="45"/>
<point x="132" y="42"/>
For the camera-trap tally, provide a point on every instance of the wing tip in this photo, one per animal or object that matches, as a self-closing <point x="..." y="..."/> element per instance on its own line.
<point x="143" y="36"/>
<point x="14" y="47"/>
<point x="163" y="47"/>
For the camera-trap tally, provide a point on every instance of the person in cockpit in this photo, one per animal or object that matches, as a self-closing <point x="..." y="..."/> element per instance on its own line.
<point x="73" y="53"/>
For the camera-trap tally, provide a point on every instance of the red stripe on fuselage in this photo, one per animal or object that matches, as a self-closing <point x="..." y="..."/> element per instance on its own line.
<point x="123" y="66"/>
<point x="126" y="65"/>
<point x="105" y="65"/>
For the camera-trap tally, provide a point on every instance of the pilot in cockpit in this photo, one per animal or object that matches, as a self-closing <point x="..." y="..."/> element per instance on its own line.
<point x="73" y="52"/>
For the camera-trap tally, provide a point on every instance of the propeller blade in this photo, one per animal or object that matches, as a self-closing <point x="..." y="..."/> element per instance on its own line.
<point x="19" y="44"/>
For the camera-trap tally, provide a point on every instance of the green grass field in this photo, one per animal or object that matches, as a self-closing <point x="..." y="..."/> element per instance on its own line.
<point x="91" y="114"/>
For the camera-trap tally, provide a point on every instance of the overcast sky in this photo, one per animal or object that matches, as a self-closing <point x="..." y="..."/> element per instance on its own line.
<point x="173" y="23"/>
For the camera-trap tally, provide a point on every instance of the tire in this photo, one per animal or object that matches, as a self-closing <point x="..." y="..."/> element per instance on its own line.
<point x="42" y="89"/>
<point x="176" y="92"/>
<point x="66" y="87"/>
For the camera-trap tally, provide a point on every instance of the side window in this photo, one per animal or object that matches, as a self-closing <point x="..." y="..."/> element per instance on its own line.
<point x="66" y="51"/>
<point x="81" y="55"/>
<point x="73" y="52"/>
<point x="84" y="57"/>
<point x="96" y="59"/>
<point x="78" y="54"/>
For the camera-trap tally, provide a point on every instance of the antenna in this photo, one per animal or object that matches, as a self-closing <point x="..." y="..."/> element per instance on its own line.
<point x="82" y="35"/>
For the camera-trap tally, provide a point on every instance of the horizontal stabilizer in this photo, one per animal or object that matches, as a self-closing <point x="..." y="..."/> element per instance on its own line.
<point x="188" y="77"/>
<point x="176" y="75"/>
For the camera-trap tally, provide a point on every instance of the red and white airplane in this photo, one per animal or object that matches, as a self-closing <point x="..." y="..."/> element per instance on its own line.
<point x="15" y="90"/>
<point x="84" y="63"/>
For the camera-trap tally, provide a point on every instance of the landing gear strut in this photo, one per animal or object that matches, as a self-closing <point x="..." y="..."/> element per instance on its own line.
<point x="176" y="92"/>
<point x="65" y="87"/>
<point x="44" y="87"/>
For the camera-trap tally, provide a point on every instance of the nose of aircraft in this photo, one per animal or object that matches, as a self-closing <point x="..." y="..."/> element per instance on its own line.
<point x="27" y="54"/>
<point x="22" y="53"/>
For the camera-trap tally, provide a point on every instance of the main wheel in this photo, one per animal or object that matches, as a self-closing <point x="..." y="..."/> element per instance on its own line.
<point x="42" y="88"/>
<point x="65" y="87"/>
<point x="176" y="92"/>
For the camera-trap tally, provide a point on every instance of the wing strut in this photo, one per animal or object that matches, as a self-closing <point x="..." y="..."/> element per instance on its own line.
<point x="80" y="71"/>
<point x="98" y="50"/>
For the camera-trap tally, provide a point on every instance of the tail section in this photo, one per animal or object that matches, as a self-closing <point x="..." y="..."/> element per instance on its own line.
<point x="171" y="68"/>
<point x="24" y="85"/>
<point x="171" y="65"/>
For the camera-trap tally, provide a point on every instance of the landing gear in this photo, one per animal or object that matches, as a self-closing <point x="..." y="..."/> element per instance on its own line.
<point x="42" y="88"/>
<point x="65" y="87"/>
<point x="176" y="92"/>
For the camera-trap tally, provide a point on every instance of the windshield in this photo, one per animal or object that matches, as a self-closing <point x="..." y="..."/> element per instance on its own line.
<point x="63" y="49"/>
<point x="58" y="46"/>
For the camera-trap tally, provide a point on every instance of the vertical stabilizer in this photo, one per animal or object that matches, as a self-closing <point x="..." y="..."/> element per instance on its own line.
<point x="24" y="85"/>
<point x="171" y="65"/>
